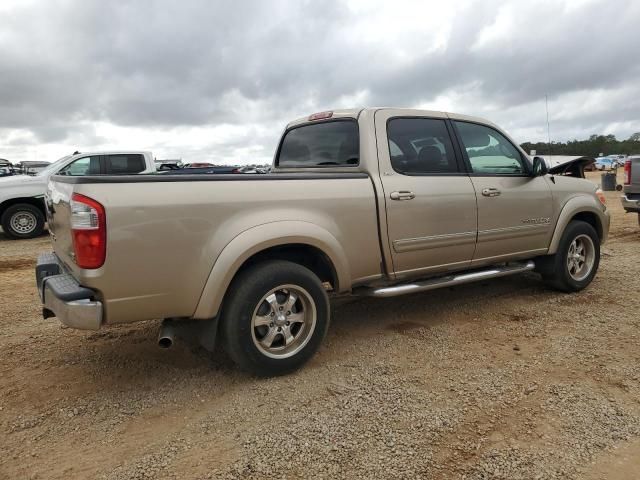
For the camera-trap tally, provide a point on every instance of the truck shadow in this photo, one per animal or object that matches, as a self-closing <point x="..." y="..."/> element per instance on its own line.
<point x="372" y="316"/>
<point x="130" y="354"/>
<point x="114" y="365"/>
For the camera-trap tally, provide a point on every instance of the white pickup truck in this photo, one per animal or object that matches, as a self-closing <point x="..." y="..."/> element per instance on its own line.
<point x="22" y="213"/>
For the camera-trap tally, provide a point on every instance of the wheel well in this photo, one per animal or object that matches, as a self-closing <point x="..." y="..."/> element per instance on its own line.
<point x="310" y="257"/>
<point x="590" y="218"/>
<point x="36" y="202"/>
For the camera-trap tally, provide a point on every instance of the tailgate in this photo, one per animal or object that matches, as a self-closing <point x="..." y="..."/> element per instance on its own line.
<point x="57" y="199"/>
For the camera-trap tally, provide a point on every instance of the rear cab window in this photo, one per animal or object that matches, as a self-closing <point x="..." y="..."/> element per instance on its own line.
<point x="124" y="163"/>
<point x="323" y="144"/>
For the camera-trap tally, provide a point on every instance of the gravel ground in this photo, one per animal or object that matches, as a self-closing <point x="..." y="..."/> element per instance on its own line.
<point x="502" y="379"/>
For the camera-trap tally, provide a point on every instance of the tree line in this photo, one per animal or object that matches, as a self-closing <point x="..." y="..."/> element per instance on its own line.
<point x="592" y="147"/>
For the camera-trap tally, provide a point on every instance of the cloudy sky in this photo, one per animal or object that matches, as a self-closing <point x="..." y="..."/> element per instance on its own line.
<point x="217" y="81"/>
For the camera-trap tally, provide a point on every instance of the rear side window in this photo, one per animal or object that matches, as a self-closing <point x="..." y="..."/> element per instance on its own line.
<point x="420" y="146"/>
<point x="119" y="164"/>
<point x="321" y="144"/>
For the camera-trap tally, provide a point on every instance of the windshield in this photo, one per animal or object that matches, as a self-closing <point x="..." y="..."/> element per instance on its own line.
<point x="54" y="166"/>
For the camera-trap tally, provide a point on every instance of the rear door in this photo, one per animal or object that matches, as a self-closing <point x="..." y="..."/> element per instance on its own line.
<point x="430" y="200"/>
<point x="514" y="208"/>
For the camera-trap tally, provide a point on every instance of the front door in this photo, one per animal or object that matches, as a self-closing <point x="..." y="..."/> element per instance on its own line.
<point x="514" y="208"/>
<point x="430" y="200"/>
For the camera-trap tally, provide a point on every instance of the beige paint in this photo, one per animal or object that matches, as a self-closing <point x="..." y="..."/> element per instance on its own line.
<point x="173" y="248"/>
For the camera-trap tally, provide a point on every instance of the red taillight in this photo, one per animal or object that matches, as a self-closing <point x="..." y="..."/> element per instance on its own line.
<point x="627" y="172"/>
<point x="89" y="231"/>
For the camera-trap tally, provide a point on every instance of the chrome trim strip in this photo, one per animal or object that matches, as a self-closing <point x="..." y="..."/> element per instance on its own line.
<point x="446" y="281"/>
<point x="434" y="241"/>
<point x="513" y="232"/>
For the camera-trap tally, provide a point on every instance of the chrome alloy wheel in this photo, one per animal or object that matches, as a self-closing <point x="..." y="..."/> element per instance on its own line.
<point x="23" y="222"/>
<point x="581" y="257"/>
<point x="283" y="321"/>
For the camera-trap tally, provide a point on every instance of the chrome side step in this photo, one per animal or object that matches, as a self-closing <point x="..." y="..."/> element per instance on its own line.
<point x="446" y="281"/>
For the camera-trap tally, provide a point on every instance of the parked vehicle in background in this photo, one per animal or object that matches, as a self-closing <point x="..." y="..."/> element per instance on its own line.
<point x="168" y="164"/>
<point x="631" y="187"/>
<point x="571" y="165"/>
<point x="22" y="212"/>
<point x="198" y="165"/>
<point x="6" y="168"/>
<point x="215" y="170"/>
<point x="5" y="172"/>
<point x="604" y="163"/>
<point x="249" y="169"/>
<point x="369" y="202"/>
<point x="618" y="159"/>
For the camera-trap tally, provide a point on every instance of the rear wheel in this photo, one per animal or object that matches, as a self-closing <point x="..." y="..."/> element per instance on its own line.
<point x="23" y="220"/>
<point x="576" y="262"/>
<point x="275" y="318"/>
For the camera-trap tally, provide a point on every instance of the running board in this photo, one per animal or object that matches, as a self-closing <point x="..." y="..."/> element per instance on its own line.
<point x="446" y="281"/>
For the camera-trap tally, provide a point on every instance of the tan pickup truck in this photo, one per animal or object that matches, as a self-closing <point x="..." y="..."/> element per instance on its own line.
<point x="370" y="202"/>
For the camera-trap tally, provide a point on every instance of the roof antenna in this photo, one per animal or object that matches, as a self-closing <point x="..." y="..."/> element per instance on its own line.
<point x="546" y="102"/>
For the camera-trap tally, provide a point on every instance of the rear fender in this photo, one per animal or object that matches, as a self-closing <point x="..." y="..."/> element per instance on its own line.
<point x="257" y="239"/>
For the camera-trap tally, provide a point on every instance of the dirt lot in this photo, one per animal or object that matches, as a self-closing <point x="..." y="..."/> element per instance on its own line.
<point x="503" y="379"/>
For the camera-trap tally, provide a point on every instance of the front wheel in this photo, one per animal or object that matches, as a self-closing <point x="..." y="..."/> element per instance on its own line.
<point x="275" y="317"/>
<point x="576" y="262"/>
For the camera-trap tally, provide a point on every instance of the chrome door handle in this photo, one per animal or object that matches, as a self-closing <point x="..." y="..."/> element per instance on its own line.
<point x="402" y="195"/>
<point x="490" y="192"/>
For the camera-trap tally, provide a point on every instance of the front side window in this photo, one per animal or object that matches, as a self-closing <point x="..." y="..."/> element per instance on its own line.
<point x="489" y="151"/>
<point x="83" y="166"/>
<point x="420" y="146"/>
<point x="124" y="163"/>
<point x="321" y="144"/>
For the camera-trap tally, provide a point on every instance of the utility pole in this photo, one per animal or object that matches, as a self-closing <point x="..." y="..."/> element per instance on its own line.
<point x="546" y="101"/>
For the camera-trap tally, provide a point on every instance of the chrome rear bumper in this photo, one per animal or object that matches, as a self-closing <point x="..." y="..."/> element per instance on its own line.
<point x="64" y="298"/>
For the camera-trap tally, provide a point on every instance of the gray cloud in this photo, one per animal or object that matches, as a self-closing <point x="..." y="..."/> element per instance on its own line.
<point x="163" y="65"/>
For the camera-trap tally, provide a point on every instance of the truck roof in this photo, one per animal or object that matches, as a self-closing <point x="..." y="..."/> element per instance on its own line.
<point x="355" y="112"/>
<point x="112" y="152"/>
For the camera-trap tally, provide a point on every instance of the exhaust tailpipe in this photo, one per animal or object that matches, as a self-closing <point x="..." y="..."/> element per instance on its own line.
<point x="167" y="334"/>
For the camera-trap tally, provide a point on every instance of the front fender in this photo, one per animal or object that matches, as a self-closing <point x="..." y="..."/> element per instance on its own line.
<point x="257" y="239"/>
<point x="575" y="205"/>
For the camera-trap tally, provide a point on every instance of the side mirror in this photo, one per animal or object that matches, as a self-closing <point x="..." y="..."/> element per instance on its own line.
<point x="539" y="167"/>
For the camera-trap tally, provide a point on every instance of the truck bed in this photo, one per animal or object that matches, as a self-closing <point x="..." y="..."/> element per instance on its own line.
<point x="165" y="232"/>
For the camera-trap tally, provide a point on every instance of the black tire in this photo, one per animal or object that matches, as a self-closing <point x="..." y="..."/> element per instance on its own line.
<point x="555" y="269"/>
<point x="30" y="213"/>
<point x="246" y="297"/>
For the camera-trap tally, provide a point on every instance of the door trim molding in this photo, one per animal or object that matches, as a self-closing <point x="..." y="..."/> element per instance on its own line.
<point x="513" y="232"/>
<point x="433" y="241"/>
